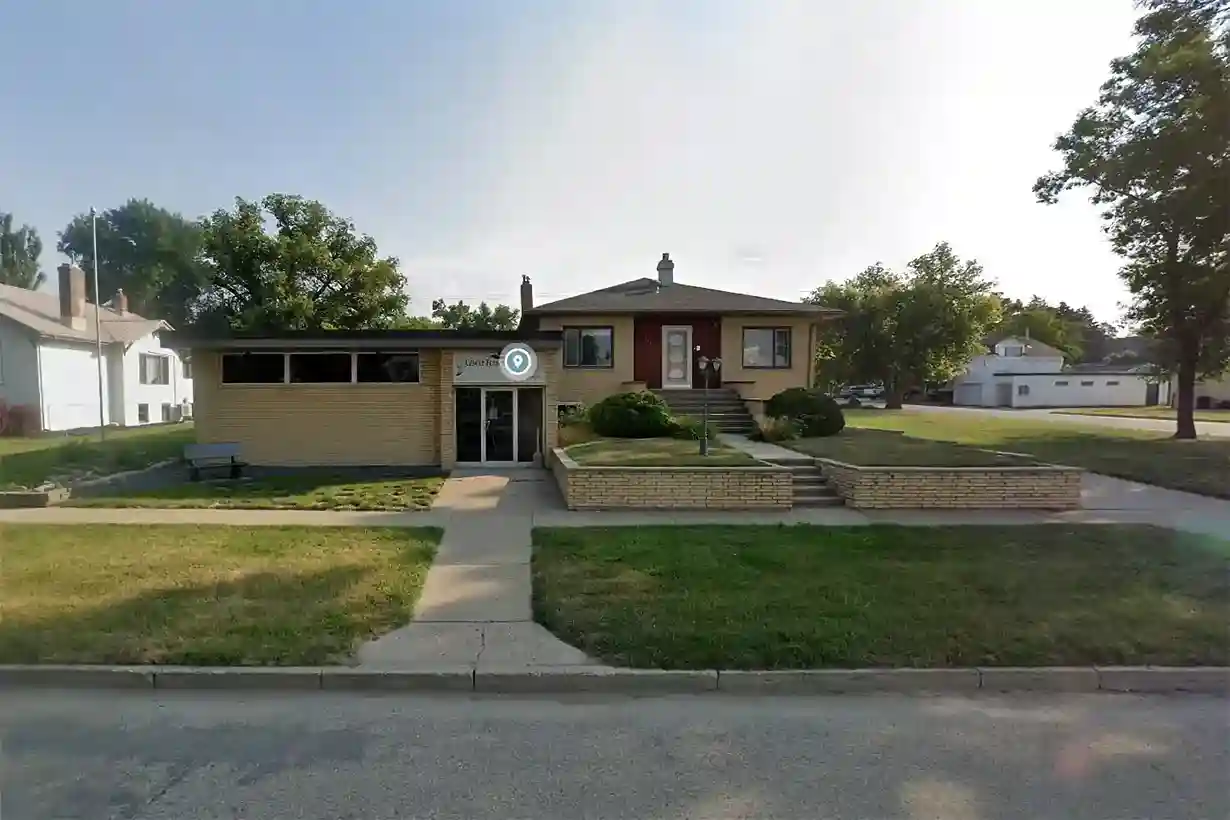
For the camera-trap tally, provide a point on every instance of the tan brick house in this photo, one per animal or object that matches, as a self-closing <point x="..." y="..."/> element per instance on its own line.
<point x="439" y="397"/>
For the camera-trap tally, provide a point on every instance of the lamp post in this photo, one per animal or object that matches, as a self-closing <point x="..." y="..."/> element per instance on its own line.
<point x="707" y="366"/>
<point x="102" y="410"/>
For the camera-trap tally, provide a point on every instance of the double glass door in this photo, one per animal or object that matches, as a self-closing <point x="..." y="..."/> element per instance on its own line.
<point x="498" y="425"/>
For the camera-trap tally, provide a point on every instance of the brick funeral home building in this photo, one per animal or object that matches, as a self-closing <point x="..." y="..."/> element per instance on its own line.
<point x="440" y="397"/>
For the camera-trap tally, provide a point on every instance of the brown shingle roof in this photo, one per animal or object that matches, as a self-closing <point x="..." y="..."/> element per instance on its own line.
<point x="645" y="295"/>
<point x="40" y="312"/>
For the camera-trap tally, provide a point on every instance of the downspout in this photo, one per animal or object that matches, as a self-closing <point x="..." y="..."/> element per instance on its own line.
<point x="38" y="367"/>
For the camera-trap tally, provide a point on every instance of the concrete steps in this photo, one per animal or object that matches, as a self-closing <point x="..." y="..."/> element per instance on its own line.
<point x="810" y="488"/>
<point x="727" y="412"/>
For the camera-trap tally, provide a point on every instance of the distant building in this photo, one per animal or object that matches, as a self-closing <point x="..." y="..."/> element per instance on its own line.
<point x="1021" y="372"/>
<point x="49" y="359"/>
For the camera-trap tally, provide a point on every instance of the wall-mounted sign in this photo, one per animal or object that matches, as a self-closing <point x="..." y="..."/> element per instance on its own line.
<point x="484" y="367"/>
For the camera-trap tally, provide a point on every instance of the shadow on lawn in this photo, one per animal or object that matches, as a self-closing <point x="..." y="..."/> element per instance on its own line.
<point x="264" y="618"/>
<point x="67" y="455"/>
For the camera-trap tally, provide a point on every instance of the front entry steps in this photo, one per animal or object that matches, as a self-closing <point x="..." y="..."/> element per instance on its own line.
<point x="727" y="411"/>
<point x="810" y="487"/>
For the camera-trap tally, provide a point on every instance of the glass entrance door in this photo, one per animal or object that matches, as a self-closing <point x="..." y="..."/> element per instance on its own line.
<point x="499" y="421"/>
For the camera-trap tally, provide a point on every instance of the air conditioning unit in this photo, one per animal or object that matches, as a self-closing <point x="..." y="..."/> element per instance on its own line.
<point x="175" y="412"/>
<point x="185" y="411"/>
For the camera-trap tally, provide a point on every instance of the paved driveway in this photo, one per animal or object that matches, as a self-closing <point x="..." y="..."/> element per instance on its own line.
<point x="322" y="757"/>
<point x="1211" y="429"/>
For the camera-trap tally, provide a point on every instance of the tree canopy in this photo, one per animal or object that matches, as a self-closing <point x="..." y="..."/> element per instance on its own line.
<point x="907" y="329"/>
<point x="151" y="253"/>
<point x="461" y="316"/>
<point x="1154" y="153"/>
<point x="311" y="271"/>
<point x="20" y="249"/>
<point x="1075" y="331"/>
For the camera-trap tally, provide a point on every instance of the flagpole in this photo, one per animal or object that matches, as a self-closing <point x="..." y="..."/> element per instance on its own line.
<point x="102" y="409"/>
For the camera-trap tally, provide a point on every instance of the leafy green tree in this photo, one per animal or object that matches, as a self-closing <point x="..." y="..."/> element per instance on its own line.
<point x="1154" y="152"/>
<point x="310" y="271"/>
<point x="906" y="330"/>
<point x="20" y="249"/>
<point x="151" y="253"/>
<point x="416" y="323"/>
<point x="484" y="317"/>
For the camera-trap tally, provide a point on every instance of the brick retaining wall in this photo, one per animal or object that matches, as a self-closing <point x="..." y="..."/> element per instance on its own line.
<point x="1042" y="487"/>
<point x="586" y="487"/>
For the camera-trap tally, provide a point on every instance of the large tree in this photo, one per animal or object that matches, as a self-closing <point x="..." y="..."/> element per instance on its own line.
<point x="152" y="253"/>
<point x="461" y="316"/>
<point x="310" y="271"/>
<point x="20" y="249"/>
<point x="1075" y="331"/>
<point x="907" y="329"/>
<point x="1154" y="152"/>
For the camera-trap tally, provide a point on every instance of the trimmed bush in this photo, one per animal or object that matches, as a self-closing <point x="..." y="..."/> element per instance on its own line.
<point x="632" y="415"/>
<point x="815" y="414"/>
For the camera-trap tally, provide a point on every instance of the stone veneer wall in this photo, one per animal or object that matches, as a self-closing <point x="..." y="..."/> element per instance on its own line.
<point x="671" y="488"/>
<point x="1042" y="487"/>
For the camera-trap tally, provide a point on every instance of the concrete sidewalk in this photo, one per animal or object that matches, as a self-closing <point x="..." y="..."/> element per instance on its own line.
<point x="474" y="611"/>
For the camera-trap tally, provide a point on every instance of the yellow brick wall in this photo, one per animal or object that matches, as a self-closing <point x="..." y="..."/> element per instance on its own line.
<point x="1013" y="488"/>
<point x="592" y="385"/>
<point x="754" y="383"/>
<point x="321" y="424"/>
<point x="673" y="488"/>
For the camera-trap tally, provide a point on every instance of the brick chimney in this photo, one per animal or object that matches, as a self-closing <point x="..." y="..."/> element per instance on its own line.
<point x="72" y="296"/>
<point x="527" y="295"/>
<point x="666" y="271"/>
<point x="119" y="302"/>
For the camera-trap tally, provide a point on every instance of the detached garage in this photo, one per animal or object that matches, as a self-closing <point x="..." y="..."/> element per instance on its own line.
<point x="374" y="398"/>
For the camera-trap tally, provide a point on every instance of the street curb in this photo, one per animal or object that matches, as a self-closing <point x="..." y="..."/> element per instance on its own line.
<point x="616" y="680"/>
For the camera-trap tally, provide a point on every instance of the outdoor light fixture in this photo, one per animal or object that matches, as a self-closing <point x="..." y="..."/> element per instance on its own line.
<point x="706" y="366"/>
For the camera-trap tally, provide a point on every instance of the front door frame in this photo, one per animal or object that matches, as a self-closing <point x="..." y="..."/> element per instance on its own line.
<point x="666" y="385"/>
<point x="483" y="390"/>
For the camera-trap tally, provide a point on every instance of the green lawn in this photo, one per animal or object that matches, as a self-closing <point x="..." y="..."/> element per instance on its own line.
<point x="1195" y="466"/>
<point x="655" y="452"/>
<point x="32" y="461"/>
<point x="204" y="595"/>
<point x="878" y="448"/>
<point x="882" y="596"/>
<point x="291" y="492"/>
<point x="1162" y="413"/>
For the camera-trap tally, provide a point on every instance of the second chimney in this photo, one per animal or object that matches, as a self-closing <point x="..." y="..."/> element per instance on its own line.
<point x="527" y="295"/>
<point x="72" y="296"/>
<point x="666" y="271"/>
<point x="119" y="302"/>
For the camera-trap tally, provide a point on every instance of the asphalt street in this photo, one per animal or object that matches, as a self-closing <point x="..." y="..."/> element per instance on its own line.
<point x="316" y="756"/>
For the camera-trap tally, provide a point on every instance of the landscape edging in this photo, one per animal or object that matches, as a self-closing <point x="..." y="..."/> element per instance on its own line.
<point x="619" y="680"/>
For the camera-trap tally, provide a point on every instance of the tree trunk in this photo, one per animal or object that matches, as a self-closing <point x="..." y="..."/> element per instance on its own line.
<point x="894" y="397"/>
<point x="1186" y="400"/>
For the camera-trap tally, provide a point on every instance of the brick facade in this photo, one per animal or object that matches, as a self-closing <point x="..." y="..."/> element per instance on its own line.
<point x="671" y="488"/>
<point x="985" y="488"/>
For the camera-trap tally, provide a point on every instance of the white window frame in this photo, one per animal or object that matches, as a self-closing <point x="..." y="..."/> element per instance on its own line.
<point x="141" y="375"/>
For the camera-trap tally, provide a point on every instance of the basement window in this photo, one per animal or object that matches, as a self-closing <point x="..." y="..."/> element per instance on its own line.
<point x="1086" y="384"/>
<point x="1061" y="384"/>
<point x="1112" y="384"/>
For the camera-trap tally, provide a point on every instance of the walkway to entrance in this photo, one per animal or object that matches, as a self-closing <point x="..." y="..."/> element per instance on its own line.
<point x="474" y="610"/>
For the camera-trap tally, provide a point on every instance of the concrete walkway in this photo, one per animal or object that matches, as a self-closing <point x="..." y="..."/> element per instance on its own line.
<point x="763" y="450"/>
<point x="474" y="611"/>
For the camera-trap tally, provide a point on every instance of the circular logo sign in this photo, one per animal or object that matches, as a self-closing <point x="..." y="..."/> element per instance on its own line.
<point x="518" y="362"/>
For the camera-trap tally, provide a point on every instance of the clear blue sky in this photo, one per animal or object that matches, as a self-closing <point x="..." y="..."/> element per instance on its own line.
<point x="767" y="144"/>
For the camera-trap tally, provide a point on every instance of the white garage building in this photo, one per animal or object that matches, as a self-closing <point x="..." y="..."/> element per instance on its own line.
<point x="1026" y="373"/>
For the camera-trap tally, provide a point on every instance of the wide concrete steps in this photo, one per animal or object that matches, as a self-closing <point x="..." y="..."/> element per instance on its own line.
<point x="726" y="410"/>
<point x="810" y="487"/>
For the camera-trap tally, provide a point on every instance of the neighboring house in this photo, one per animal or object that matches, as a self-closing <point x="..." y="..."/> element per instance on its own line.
<point x="1021" y="372"/>
<point x="49" y="359"/>
<point x="439" y="397"/>
<point x="1210" y="393"/>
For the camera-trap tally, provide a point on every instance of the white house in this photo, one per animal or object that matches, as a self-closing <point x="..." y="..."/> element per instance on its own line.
<point x="1027" y="373"/>
<point x="48" y="359"/>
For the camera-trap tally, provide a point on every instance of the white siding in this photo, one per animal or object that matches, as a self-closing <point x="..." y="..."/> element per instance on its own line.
<point x="175" y="393"/>
<point x="982" y="370"/>
<point x="18" y="365"/>
<point x="1217" y="390"/>
<point x="69" y="377"/>
<point x="1081" y="390"/>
